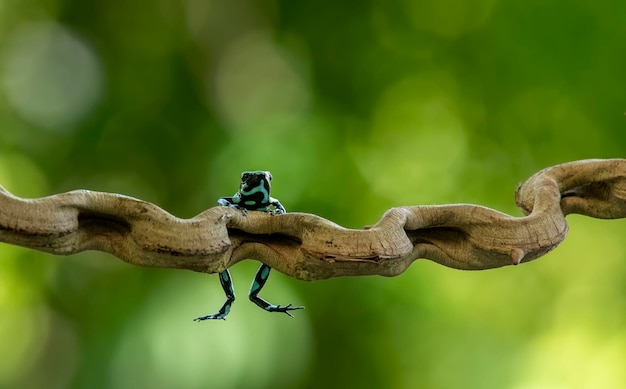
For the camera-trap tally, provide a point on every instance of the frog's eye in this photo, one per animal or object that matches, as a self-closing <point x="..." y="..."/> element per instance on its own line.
<point x="268" y="175"/>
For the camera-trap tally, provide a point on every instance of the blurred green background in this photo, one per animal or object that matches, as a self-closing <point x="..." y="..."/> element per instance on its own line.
<point x="355" y="107"/>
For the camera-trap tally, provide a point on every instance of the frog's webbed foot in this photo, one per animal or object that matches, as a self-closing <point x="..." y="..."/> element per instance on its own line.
<point x="276" y="208"/>
<point x="227" y="285"/>
<point x="244" y="211"/>
<point x="225" y="202"/>
<point x="259" y="280"/>
<point x="278" y="308"/>
<point x="216" y="316"/>
<point x="276" y="211"/>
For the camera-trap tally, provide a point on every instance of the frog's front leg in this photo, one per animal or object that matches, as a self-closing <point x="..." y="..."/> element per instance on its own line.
<point x="232" y="202"/>
<point x="259" y="281"/>
<point x="227" y="285"/>
<point x="278" y="207"/>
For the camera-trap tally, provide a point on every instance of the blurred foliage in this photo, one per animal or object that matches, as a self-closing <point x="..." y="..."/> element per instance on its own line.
<point x="354" y="108"/>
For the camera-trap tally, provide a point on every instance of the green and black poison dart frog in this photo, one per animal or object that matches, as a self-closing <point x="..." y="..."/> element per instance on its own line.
<point x="253" y="195"/>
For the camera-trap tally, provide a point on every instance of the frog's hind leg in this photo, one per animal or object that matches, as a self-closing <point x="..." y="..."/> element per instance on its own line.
<point x="260" y="279"/>
<point x="227" y="285"/>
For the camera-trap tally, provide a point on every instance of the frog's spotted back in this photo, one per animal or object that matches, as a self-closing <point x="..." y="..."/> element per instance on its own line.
<point x="254" y="194"/>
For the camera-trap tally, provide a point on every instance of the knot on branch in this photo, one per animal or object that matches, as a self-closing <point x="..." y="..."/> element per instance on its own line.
<point x="309" y="247"/>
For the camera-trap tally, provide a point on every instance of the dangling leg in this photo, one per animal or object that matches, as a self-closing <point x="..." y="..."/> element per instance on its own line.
<point x="227" y="285"/>
<point x="259" y="280"/>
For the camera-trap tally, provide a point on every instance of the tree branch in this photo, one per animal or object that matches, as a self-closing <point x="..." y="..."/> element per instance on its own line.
<point x="309" y="247"/>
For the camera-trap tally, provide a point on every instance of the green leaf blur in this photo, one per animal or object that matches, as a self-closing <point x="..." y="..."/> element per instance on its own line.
<point x="355" y="107"/>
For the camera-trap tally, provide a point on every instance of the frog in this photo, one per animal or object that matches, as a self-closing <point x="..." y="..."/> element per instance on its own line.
<point x="253" y="195"/>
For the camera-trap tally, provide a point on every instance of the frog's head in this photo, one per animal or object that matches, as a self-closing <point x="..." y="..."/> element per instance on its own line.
<point x="255" y="179"/>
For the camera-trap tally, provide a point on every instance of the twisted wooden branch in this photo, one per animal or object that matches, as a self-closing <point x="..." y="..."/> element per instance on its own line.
<point x="308" y="247"/>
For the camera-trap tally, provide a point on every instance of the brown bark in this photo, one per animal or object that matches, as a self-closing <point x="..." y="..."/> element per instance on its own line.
<point x="309" y="247"/>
